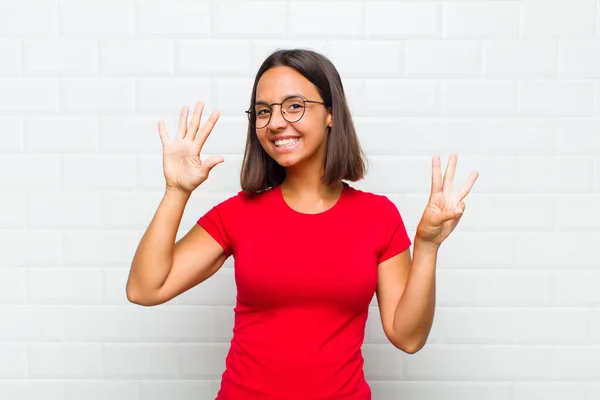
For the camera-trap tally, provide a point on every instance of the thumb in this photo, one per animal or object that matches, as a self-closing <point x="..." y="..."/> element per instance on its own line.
<point x="210" y="163"/>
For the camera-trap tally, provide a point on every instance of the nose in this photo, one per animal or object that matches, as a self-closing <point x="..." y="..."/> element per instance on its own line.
<point x="277" y="121"/>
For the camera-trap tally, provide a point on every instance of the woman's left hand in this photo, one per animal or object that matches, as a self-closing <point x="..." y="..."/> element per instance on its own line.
<point x="444" y="210"/>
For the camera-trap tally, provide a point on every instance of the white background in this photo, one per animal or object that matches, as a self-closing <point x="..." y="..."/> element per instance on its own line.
<point x="513" y="87"/>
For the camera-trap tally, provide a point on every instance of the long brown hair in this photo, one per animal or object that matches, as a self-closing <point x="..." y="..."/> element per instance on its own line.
<point x="344" y="158"/>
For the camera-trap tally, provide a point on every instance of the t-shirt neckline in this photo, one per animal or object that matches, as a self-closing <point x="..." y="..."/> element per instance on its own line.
<point x="331" y="209"/>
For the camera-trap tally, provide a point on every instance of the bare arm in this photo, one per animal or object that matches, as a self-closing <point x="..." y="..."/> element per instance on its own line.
<point x="162" y="268"/>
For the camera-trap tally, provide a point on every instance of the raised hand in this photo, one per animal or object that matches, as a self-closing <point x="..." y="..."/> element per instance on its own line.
<point x="182" y="166"/>
<point x="444" y="210"/>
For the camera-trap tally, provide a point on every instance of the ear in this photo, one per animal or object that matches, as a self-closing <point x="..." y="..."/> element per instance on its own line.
<point x="329" y="119"/>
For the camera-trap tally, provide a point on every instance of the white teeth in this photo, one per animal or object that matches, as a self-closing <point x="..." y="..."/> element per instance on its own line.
<point x="286" y="142"/>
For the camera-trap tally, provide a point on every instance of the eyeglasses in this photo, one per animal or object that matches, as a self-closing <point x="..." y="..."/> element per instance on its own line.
<point x="292" y="110"/>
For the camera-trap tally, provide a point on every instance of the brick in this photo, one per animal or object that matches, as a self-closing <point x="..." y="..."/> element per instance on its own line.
<point x="13" y="286"/>
<point x="213" y="57"/>
<point x="96" y="18"/>
<point x="402" y="19"/>
<point x="244" y="18"/>
<point x="64" y="360"/>
<point x="141" y="361"/>
<point x="543" y="98"/>
<point x="19" y="245"/>
<point x="172" y="17"/>
<point x="556" y="390"/>
<point x="11" y="57"/>
<point x="213" y="354"/>
<point x="99" y="248"/>
<point x="32" y="324"/>
<point x="24" y="389"/>
<point x="136" y="57"/>
<point x="60" y="135"/>
<point x="46" y="210"/>
<point x="169" y="95"/>
<point x="382" y="361"/>
<point x="14" y="211"/>
<point x="97" y="95"/>
<point x="178" y="324"/>
<point x="474" y="325"/>
<point x="480" y="362"/>
<point x="18" y="20"/>
<point x="579" y="59"/>
<point x="578" y="136"/>
<point x="367" y="58"/>
<point x="23" y="95"/>
<point x="577" y="363"/>
<point x="474" y="19"/>
<point x="219" y="290"/>
<point x="576" y="287"/>
<point x="158" y="389"/>
<point x="101" y="389"/>
<point x="62" y="57"/>
<point x="520" y="59"/>
<point x="440" y="390"/>
<point x="85" y="323"/>
<point x="309" y="18"/>
<point x="61" y="286"/>
<point x="13" y="363"/>
<point x="485" y="98"/>
<point x="443" y="59"/>
<point x="97" y="172"/>
<point x="518" y="136"/>
<point x="11" y="134"/>
<point x="552" y="326"/>
<point x="578" y="212"/>
<point x="555" y="18"/>
<point x="402" y="97"/>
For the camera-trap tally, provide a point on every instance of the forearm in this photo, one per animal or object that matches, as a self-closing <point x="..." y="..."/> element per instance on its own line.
<point x="414" y="313"/>
<point x="154" y="256"/>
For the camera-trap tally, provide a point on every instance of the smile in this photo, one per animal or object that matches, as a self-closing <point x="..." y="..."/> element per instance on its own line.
<point x="286" y="142"/>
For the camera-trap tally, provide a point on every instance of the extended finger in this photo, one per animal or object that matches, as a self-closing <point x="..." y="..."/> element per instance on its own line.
<point x="449" y="175"/>
<point x="162" y="132"/>
<point x="466" y="187"/>
<point x="183" y="116"/>
<point x="207" y="128"/>
<point x="195" y="122"/>
<point x="436" y="175"/>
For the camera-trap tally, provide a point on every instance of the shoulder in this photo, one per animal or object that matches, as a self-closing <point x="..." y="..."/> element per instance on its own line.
<point x="242" y="201"/>
<point x="373" y="203"/>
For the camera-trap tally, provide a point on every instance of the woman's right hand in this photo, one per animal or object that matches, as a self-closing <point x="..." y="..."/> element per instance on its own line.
<point x="184" y="171"/>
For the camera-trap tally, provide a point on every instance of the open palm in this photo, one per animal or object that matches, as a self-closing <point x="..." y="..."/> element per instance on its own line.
<point x="444" y="210"/>
<point x="182" y="165"/>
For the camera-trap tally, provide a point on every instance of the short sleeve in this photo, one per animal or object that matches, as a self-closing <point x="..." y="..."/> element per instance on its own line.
<point x="213" y="223"/>
<point x="394" y="237"/>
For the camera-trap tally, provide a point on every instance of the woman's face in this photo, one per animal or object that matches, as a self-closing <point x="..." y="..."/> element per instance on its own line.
<point x="291" y="143"/>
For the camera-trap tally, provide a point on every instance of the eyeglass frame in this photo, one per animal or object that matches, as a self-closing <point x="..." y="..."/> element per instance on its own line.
<point x="270" y="107"/>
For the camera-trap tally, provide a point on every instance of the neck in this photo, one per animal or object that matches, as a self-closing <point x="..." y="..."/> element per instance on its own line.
<point x="308" y="181"/>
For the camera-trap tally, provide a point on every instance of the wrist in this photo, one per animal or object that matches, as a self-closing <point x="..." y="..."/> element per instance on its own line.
<point x="426" y="244"/>
<point x="177" y="193"/>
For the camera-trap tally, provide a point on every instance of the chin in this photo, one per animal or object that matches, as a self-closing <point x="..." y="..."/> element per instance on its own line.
<point x="286" y="161"/>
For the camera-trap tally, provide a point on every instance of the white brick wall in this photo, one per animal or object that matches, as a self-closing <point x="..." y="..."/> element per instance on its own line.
<point x="512" y="86"/>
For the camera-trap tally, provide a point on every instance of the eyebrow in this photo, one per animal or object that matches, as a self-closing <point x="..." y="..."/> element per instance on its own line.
<point x="284" y="97"/>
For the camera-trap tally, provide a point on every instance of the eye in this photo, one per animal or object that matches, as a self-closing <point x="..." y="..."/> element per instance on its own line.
<point x="262" y="112"/>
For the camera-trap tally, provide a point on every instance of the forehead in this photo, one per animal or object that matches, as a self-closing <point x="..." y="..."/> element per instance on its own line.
<point x="279" y="82"/>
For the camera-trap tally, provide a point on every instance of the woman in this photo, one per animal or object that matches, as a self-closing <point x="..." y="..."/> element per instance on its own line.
<point x="310" y="251"/>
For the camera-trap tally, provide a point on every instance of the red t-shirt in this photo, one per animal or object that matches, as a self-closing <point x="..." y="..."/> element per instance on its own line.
<point x="304" y="285"/>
